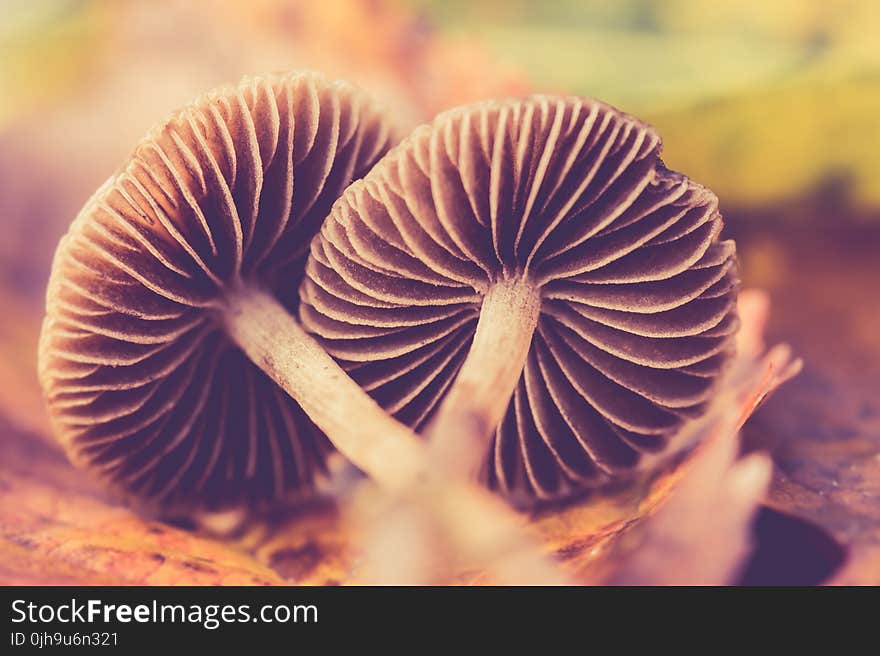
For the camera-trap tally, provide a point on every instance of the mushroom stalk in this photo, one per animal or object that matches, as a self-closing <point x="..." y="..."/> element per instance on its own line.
<point x="481" y="393"/>
<point x="379" y="445"/>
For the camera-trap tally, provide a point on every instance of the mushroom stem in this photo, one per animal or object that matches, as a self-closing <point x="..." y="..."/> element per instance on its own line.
<point x="481" y="393"/>
<point x="379" y="445"/>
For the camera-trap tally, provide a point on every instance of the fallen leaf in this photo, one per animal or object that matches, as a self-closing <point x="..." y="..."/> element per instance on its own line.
<point x="823" y="428"/>
<point x="56" y="528"/>
<point x="702" y="535"/>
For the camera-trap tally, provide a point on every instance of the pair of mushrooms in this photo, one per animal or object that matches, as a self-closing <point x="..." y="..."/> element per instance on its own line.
<point x="522" y="281"/>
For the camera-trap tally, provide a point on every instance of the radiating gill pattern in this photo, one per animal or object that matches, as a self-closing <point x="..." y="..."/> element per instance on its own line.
<point x="638" y="291"/>
<point x="142" y="383"/>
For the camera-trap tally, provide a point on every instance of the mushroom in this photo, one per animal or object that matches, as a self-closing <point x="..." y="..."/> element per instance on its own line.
<point x="527" y="283"/>
<point x="167" y="316"/>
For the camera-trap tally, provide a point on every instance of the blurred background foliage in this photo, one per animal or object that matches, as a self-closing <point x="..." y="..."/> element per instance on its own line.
<point x="765" y="102"/>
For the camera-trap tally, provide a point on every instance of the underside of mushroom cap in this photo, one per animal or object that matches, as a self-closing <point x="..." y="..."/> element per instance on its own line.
<point x="142" y="384"/>
<point x="568" y="195"/>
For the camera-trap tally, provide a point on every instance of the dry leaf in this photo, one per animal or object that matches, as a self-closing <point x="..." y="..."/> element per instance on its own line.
<point x="58" y="528"/>
<point x="702" y="535"/>
<point x="823" y="428"/>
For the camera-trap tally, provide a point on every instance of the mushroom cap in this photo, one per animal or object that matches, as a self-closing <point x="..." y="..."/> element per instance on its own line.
<point x="142" y="384"/>
<point x="638" y="294"/>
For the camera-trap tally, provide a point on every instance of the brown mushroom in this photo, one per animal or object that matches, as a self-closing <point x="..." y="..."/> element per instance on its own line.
<point x="534" y="265"/>
<point x="176" y="279"/>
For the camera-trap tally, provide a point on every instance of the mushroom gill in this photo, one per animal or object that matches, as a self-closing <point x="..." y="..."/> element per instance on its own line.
<point x="169" y="276"/>
<point x="528" y="274"/>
